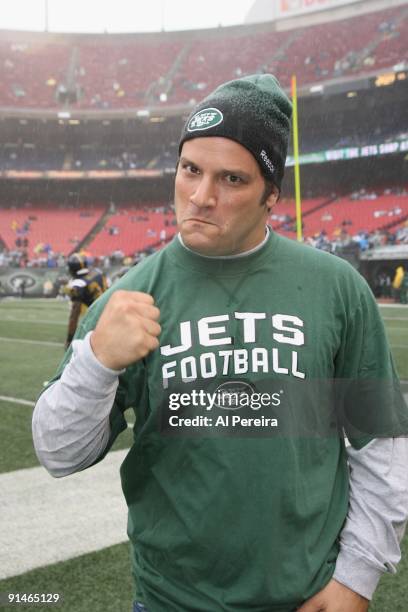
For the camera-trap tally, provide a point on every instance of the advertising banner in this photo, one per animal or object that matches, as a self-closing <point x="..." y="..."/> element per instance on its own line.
<point x="373" y="150"/>
<point x="291" y="8"/>
<point x="40" y="282"/>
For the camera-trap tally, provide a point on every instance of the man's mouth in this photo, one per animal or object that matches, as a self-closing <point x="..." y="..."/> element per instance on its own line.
<point x="197" y="220"/>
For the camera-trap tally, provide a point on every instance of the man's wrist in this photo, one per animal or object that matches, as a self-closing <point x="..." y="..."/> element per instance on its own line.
<point x="356" y="574"/>
<point x="95" y="358"/>
<point x="85" y="368"/>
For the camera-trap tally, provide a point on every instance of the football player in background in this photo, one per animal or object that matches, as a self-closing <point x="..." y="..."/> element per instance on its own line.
<point x="83" y="289"/>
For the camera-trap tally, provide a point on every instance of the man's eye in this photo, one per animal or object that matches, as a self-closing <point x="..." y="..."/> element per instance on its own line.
<point x="233" y="178"/>
<point x="190" y="168"/>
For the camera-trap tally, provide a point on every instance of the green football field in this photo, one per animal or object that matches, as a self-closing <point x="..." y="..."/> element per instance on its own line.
<point x="32" y="334"/>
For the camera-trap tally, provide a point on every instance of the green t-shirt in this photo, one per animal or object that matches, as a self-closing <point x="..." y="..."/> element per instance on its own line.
<point x="229" y="516"/>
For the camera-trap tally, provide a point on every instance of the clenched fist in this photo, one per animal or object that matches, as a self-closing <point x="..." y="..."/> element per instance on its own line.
<point x="127" y="329"/>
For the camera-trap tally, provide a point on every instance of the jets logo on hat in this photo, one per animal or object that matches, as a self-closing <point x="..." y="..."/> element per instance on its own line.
<point x="205" y="119"/>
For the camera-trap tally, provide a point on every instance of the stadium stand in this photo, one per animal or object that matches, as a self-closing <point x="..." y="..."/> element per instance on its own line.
<point x="44" y="70"/>
<point x="47" y="227"/>
<point x="350" y="216"/>
<point x="335" y="49"/>
<point x="401" y="231"/>
<point x="392" y="49"/>
<point x="31" y="69"/>
<point x="283" y="214"/>
<point x="232" y="55"/>
<point x="128" y="71"/>
<point x="28" y="156"/>
<point x="88" y="158"/>
<point x="134" y="229"/>
<point x="111" y="75"/>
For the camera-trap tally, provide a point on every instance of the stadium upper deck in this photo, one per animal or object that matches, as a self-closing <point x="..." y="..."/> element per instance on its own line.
<point x="49" y="71"/>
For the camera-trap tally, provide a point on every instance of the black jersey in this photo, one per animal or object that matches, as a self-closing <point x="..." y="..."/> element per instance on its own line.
<point x="87" y="287"/>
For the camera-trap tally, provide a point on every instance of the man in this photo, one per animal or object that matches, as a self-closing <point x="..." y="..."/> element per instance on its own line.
<point x="397" y="282"/>
<point x="83" y="289"/>
<point x="229" y="512"/>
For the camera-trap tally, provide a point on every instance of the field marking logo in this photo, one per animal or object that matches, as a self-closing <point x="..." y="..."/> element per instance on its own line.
<point x="18" y="279"/>
<point x="205" y="119"/>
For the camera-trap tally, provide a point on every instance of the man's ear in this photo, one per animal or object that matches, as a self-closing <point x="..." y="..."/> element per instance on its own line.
<point x="272" y="199"/>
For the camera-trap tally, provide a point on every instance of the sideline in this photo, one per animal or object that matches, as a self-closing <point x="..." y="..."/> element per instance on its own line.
<point x="16" y="400"/>
<point x="33" y="300"/>
<point x="23" y="402"/>
<point x="6" y="319"/>
<point x="21" y="341"/>
<point x="46" y="520"/>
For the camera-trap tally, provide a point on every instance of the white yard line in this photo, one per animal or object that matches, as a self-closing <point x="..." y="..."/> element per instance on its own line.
<point x="45" y="520"/>
<point x="25" y="320"/>
<point x="21" y="341"/>
<point x="16" y="400"/>
<point x="395" y="319"/>
<point x="51" y="301"/>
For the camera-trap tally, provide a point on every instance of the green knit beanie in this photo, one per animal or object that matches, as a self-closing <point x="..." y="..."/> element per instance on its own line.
<point x="255" y="112"/>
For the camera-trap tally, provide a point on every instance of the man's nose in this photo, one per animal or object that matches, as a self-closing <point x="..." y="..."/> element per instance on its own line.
<point x="204" y="194"/>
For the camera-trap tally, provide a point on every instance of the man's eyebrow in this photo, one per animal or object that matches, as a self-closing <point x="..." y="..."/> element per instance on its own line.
<point x="185" y="160"/>
<point x="223" y="171"/>
<point x="237" y="172"/>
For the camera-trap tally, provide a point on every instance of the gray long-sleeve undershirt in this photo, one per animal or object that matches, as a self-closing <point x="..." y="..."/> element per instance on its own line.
<point x="71" y="430"/>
